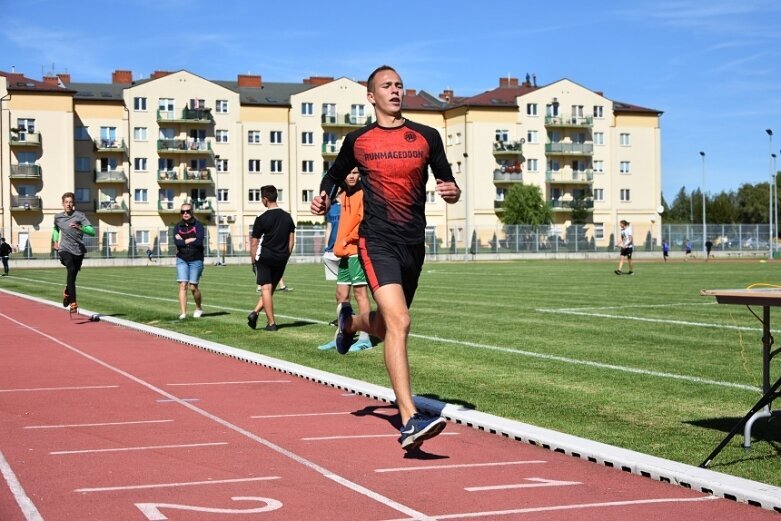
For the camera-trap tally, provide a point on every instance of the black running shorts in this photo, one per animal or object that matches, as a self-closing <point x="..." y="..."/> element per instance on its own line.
<point x="392" y="263"/>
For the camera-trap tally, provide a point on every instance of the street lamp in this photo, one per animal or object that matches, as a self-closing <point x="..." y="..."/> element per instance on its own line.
<point x="775" y="196"/>
<point x="217" y="208"/>
<point x="770" y="195"/>
<point x="704" y="224"/>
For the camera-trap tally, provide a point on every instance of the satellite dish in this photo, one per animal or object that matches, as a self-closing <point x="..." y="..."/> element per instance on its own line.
<point x="660" y="209"/>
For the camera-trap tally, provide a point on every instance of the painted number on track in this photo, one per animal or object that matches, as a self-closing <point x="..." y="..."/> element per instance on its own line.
<point x="152" y="510"/>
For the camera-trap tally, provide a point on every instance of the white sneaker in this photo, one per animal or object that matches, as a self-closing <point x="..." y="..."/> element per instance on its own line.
<point x="182" y="316"/>
<point x="197" y="313"/>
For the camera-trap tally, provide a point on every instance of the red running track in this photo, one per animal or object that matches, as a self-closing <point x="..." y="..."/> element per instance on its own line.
<point x="100" y="422"/>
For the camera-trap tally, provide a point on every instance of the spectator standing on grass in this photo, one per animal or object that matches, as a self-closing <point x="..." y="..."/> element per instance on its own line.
<point x="5" y="252"/>
<point x="189" y="238"/>
<point x="665" y="250"/>
<point x="271" y="243"/>
<point x="708" y="249"/>
<point x="70" y="227"/>
<point x="350" y="272"/>
<point x="393" y="155"/>
<point x="627" y="247"/>
<point x="687" y="248"/>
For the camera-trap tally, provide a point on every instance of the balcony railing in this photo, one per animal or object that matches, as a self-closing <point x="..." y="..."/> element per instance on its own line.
<point x="190" y="116"/>
<point x="25" y="171"/>
<point x="202" y="206"/>
<point x="110" y="206"/>
<point x="186" y="176"/>
<point x="575" y="149"/>
<point x="110" y="176"/>
<point x="110" y="145"/>
<point x="184" y="146"/>
<point x="344" y="120"/>
<point x="566" y="205"/>
<point x="22" y="138"/>
<point x="509" y="148"/>
<point x="569" y="176"/>
<point x="569" y="121"/>
<point x="507" y="177"/>
<point x="330" y="149"/>
<point x="26" y="202"/>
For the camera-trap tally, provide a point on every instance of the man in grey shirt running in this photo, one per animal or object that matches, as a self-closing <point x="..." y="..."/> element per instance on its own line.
<point x="70" y="226"/>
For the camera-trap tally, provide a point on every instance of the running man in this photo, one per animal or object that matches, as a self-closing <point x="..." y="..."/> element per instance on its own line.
<point x="627" y="245"/>
<point x="393" y="156"/>
<point x="70" y="227"/>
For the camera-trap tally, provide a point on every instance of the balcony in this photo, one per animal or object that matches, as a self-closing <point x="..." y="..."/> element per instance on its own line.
<point x="330" y="149"/>
<point x="570" y="149"/>
<point x="507" y="177"/>
<point x="344" y="121"/>
<point x="569" y="121"/>
<point x="25" y="171"/>
<point x="110" y="145"/>
<point x="499" y="205"/>
<point x="171" y="206"/>
<point x="186" y="176"/>
<point x="22" y="138"/>
<point x="26" y="202"/>
<point x="184" y="146"/>
<point x="569" y="176"/>
<point x="565" y="205"/>
<point x="111" y="206"/>
<point x="110" y="176"/>
<point x="186" y="116"/>
<point x="509" y="148"/>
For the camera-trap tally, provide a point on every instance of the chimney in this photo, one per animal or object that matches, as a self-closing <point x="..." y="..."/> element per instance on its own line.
<point x="318" y="80"/>
<point x="508" y="82"/>
<point x="159" y="74"/>
<point x="409" y="92"/>
<point x="446" y="95"/>
<point x="119" y="76"/>
<point x="250" y="80"/>
<point x="64" y="77"/>
<point x="52" y="80"/>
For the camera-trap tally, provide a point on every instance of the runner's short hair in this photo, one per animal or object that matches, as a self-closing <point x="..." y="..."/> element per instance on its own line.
<point x="370" y="81"/>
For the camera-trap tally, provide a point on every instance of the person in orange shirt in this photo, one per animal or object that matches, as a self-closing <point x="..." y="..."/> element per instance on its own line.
<point x="351" y="272"/>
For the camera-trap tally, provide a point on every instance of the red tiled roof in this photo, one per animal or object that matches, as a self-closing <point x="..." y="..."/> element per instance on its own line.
<point x="19" y="82"/>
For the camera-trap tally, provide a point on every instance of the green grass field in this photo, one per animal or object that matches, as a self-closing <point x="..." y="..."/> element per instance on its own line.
<point x="640" y="362"/>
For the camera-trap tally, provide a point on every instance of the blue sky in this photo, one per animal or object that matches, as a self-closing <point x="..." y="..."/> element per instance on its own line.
<point x="713" y="67"/>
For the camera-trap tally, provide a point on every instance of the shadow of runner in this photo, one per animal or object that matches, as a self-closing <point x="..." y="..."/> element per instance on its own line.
<point x="395" y="421"/>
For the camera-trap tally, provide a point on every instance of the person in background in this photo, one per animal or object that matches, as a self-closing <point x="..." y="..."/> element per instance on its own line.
<point x="149" y="254"/>
<point x="5" y="252"/>
<point x="70" y="227"/>
<point x="627" y="246"/>
<point x="687" y="248"/>
<point x="330" y="260"/>
<point x="189" y="259"/>
<point x="708" y="249"/>
<point x="665" y="249"/>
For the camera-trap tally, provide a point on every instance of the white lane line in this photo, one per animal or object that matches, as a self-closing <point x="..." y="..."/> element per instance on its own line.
<point x="234" y="383"/>
<point x="129" y="449"/>
<point x="25" y="504"/>
<point x="107" y="424"/>
<point x="535" y="483"/>
<point x="627" y="306"/>
<point x="359" y="436"/>
<point x="172" y="485"/>
<point x="176" y="400"/>
<point x="81" y="388"/>
<point x="462" y="466"/>
<point x="266" y="416"/>
<point x="360" y="489"/>
<point x="555" y="508"/>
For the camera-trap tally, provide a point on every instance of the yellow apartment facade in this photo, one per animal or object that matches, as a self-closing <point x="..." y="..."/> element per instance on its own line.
<point x="133" y="150"/>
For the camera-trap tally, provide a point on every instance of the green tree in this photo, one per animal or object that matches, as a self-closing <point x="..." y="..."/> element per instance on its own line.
<point x="752" y="203"/>
<point x="679" y="212"/>
<point x="524" y="204"/>
<point x="722" y="209"/>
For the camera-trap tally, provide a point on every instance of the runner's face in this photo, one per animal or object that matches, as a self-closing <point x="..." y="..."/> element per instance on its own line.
<point x="67" y="204"/>
<point x="352" y="178"/>
<point x="388" y="93"/>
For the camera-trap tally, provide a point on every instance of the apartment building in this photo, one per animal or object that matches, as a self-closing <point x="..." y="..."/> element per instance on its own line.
<point x="134" y="149"/>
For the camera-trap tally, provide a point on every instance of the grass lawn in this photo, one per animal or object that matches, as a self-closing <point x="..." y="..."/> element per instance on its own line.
<point x="640" y="362"/>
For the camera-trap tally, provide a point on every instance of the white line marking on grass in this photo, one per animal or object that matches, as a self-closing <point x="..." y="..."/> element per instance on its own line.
<point x="359" y="436"/>
<point x="627" y="306"/>
<point x="107" y="424"/>
<point x="171" y="485"/>
<point x="360" y="489"/>
<point x="266" y="416"/>
<point x="35" y="389"/>
<point x="234" y="383"/>
<point x="25" y="503"/>
<point x="535" y="483"/>
<point x="131" y="449"/>
<point x="556" y="508"/>
<point x="461" y="466"/>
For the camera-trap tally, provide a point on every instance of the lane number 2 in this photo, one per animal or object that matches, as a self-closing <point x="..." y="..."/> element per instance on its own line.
<point x="152" y="510"/>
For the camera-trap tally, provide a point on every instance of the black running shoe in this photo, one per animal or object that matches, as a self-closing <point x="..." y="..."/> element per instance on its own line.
<point x="252" y="320"/>
<point x="618" y="272"/>
<point x="334" y="322"/>
<point x="344" y="341"/>
<point x="270" y="327"/>
<point x="419" y="428"/>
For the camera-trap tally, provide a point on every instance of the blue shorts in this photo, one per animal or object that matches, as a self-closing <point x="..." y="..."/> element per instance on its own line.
<point x="188" y="271"/>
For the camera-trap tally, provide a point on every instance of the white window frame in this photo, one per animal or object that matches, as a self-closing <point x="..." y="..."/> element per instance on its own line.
<point x="306" y="196"/>
<point x="599" y="194"/>
<point x="599" y="111"/>
<point x="431" y="196"/>
<point x="253" y="137"/>
<point x="140" y="134"/>
<point x="141" y="195"/>
<point x="222" y="165"/>
<point x="223" y="195"/>
<point x="275" y="166"/>
<point x="142" y="237"/>
<point x="502" y="135"/>
<point x="624" y="139"/>
<point x="532" y="165"/>
<point x="253" y="195"/>
<point x="139" y="104"/>
<point x="599" y="138"/>
<point x="307" y="138"/>
<point x="625" y="195"/>
<point x="140" y="164"/>
<point x="280" y="195"/>
<point x="307" y="108"/>
<point x="222" y="136"/>
<point x="599" y="166"/>
<point x="625" y="167"/>
<point x="307" y="166"/>
<point x="275" y="137"/>
<point x="531" y="109"/>
<point x="254" y="166"/>
<point x="221" y="106"/>
<point x="532" y="136"/>
<point x="599" y="231"/>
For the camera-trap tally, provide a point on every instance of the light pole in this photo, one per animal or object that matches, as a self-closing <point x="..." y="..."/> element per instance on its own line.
<point x="775" y="198"/>
<point x="770" y="195"/>
<point x="217" y="208"/>
<point x="704" y="222"/>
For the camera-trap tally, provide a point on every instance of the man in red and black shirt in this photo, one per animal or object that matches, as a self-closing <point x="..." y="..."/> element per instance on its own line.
<point x="393" y="156"/>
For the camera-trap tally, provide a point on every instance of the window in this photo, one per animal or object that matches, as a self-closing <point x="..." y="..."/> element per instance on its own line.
<point x="599" y="138"/>
<point x="307" y="138"/>
<point x="577" y="113"/>
<point x="552" y="109"/>
<point x="307" y="108"/>
<point x="165" y="104"/>
<point x="329" y="112"/>
<point x="431" y="196"/>
<point x="197" y="103"/>
<point x="140" y="134"/>
<point x="502" y="135"/>
<point x="554" y="136"/>
<point x="599" y="166"/>
<point x="599" y="194"/>
<point x="142" y="237"/>
<point x="253" y="195"/>
<point x="223" y="195"/>
<point x="599" y="231"/>
<point x="531" y="165"/>
<point x="139" y="104"/>
<point x="26" y="158"/>
<point x="449" y="140"/>
<point x="110" y="238"/>
<point x="276" y="166"/>
<point x="140" y="164"/>
<point x="458" y="167"/>
<point x="306" y="196"/>
<point x="82" y="195"/>
<point x="82" y="164"/>
<point x="25" y="125"/>
<point x="623" y="139"/>
<point x="624" y="195"/>
<point x="276" y="137"/>
<point x="531" y="109"/>
<point x="221" y="136"/>
<point x="166" y="133"/>
<point x="500" y="193"/>
<point x="280" y="195"/>
<point x="141" y="195"/>
<point x="222" y="165"/>
<point x="624" y="167"/>
<point x="458" y="138"/>
<point x="221" y="106"/>
<point x="598" y="111"/>
<point x="253" y="137"/>
<point x="254" y="166"/>
<point x="307" y="166"/>
<point x="532" y="136"/>
<point x="357" y="114"/>
<point x="80" y="134"/>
